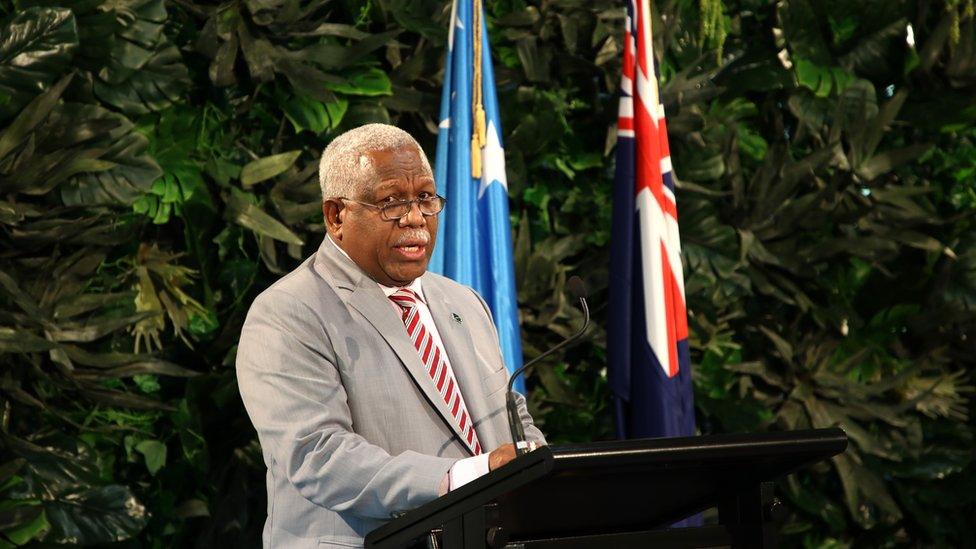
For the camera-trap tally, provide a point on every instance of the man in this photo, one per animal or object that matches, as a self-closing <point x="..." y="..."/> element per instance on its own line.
<point x="374" y="386"/>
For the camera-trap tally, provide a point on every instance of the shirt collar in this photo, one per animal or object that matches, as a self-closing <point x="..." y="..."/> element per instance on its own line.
<point x="415" y="286"/>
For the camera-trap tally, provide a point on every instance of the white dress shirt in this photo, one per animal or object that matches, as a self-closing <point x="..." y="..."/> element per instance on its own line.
<point x="464" y="470"/>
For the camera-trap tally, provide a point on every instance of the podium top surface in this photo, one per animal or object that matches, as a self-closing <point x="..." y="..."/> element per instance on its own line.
<point x="618" y="485"/>
<point x="816" y="444"/>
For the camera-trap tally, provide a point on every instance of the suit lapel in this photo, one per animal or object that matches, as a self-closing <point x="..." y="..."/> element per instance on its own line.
<point x="460" y="350"/>
<point x="363" y="294"/>
<point x="369" y="300"/>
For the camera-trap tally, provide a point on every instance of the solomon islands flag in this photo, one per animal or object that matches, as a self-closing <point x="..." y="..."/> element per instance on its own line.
<point x="649" y="367"/>
<point x="474" y="239"/>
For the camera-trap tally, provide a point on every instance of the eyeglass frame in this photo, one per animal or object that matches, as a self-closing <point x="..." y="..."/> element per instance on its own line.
<point x="382" y="208"/>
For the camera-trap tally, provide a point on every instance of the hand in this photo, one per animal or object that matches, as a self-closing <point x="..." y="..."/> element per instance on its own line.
<point x="500" y="456"/>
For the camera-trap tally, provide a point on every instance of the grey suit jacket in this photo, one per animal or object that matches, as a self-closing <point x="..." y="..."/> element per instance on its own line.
<point x="351" y="427"/>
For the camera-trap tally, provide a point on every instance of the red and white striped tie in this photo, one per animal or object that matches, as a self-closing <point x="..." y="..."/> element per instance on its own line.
<point x="433" y="358"/>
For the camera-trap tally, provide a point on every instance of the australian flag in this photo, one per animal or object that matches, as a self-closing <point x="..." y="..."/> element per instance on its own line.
<point x="649" y="367"/>
<point x="474" y="239"/>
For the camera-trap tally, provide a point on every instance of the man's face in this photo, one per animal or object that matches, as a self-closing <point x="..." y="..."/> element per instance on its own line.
<point x="393" y="253"/>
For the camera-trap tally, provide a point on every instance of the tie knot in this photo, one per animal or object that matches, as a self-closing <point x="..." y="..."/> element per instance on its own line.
<point x="405" y="298"/>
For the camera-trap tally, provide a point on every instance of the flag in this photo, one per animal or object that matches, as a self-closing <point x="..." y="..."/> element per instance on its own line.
<point x="649" y="368"/>
<point x="474" y="239"/>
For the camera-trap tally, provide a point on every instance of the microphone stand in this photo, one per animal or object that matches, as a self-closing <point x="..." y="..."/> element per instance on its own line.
<point x="514" y="421"/>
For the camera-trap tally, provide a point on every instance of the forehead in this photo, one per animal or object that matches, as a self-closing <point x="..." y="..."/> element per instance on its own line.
<point x="394" y="167"/>
<point x="406" y="158"/>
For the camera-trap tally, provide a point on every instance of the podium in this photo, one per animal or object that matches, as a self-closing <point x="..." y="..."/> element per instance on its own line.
<point x="619" y="494"/>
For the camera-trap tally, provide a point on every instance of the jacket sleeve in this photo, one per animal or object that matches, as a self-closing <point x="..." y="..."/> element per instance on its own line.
<point x="291" y="387"/>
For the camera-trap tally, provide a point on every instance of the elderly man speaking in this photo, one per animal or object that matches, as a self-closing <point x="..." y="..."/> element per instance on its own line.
<point x="374" y="385"/>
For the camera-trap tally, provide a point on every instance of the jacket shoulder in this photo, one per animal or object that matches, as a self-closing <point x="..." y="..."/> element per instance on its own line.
<point x="301" y="288"/>
<point x="453" y="287"/>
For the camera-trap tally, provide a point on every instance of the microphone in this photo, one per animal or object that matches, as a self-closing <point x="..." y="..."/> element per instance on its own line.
<point x="577" y="288"/>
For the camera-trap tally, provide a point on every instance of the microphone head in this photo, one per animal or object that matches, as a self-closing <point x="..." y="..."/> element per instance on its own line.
<point x="577" y="287"/>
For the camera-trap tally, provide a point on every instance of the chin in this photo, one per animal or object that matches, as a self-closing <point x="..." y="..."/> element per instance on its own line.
<point x="413" y="274"/>
<point x="407" y="274"/>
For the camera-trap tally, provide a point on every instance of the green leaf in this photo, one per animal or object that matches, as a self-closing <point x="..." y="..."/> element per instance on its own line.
<point x="36" y="47"/>
<point x="862" y="486"/>
<point x="751" y="143"/>
<point x="242" y="211"/>
<point x="147" y="383"/>
<point x="265" y="168"/>
<point x="32" y="115"/>
<point x="222" y="170"/>
<point x="406" y="99"/>
<point x="305" y="113"/>
<point x="104" y="514"/>
<point x="365" y="112"/>
<point x="585" y="161"/>
<point x="416" y="16"/>
<point x="878" y="126"/>
<point x="134" y="171"/>
<point x="95" y="327"/>
<point x="368" y="82"/>
<point x="79" y="507"/>
<point x="802" y="28"/>
<point x="874" y="49"/>
<point x="222" y="68"/>
<point x="886" y="161"/>
<point x="154" y="453"/>
<point x="535" y="63"/>
<point x="25" y="523"/>
<point x="563" y="167"/>
<point x="122" y="399"/>
<point x="192" y="508"/>
<point x="335" y="29"/>
<point x="810" y="75"/>
<point x="811" y="110"/>
<point x="259" y="54"/>
<point x="783" y="348"/>
<point x="22" y="341"/>
<point x="309" y="80"/>
<point x="158" y="83"/>
<point x="9" y="469"/>
<point x="26" y="303"/>
<point x="704" y="168"/>
<point x="336" y="110"/>
<point x="138" y="370"/>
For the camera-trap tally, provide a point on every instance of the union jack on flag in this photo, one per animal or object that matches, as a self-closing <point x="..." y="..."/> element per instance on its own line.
<point x="649" y="365"/>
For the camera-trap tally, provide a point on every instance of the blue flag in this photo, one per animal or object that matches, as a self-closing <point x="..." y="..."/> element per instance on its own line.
<point x="474" y="239"/>
<point x="649" y="368"/>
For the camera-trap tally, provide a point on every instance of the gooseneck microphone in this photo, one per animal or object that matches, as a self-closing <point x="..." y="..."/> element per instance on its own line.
<point x="578" y="289"/>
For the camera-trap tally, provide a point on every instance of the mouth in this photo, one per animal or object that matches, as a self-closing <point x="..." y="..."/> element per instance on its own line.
<point x="412" y="245"/>
<point x="412" y="251"/>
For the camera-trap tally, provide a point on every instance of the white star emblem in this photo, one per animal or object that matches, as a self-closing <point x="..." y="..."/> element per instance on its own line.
<point x="492" y="162"/>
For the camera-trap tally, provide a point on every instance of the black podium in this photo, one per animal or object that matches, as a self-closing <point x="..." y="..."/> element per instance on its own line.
<point x="619" y="494"/>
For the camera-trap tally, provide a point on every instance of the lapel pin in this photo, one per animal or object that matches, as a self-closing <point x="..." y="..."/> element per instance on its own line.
<point x="457" y="318"/>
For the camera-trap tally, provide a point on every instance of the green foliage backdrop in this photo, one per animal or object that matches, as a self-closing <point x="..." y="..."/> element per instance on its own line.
<point x="158" y="169"/>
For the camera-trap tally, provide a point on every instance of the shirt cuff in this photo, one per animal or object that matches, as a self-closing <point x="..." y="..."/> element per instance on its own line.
<point x="464" y="471"/>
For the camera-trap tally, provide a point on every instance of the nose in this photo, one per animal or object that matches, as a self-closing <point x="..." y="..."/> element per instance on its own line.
<point x="414" y="218"/>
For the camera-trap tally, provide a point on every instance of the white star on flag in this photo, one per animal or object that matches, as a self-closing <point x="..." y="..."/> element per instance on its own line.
<point x="493" y="160"/>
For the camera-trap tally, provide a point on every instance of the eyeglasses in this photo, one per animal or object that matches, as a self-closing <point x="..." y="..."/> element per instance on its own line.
<point x="393" y="211"/>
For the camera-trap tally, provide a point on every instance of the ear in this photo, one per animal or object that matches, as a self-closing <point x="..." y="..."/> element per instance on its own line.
<point x="332" y="215"/>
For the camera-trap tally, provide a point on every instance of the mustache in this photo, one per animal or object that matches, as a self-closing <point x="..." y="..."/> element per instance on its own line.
<point x="413" y="236"/>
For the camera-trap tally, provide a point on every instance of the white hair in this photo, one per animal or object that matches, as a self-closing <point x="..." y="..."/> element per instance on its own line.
<point x="346" y="170"/>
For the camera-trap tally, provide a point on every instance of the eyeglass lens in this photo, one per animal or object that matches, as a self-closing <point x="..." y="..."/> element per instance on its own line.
<point x="428" y="206"/>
